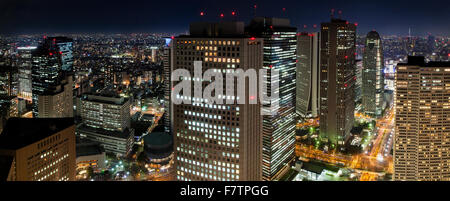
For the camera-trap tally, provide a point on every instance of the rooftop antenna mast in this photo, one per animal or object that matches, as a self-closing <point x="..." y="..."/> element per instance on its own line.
<point x="254" y="9"/>
<point x="332" y="13"/>
<point x="340" y="14"/>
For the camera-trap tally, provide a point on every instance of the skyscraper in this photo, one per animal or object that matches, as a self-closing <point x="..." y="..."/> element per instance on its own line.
<point x="24" y="65"/>
<point x="52" y="78"/>
<point x="373" y="77"/>
<point x="168" y="111"/>
<point x="308" y="82"/>
<point x="337" y="85"/>
<point x="280" y="43"/>
<point x="217" y="142"/>
<point x="38" y="150"/>
<point x="422" y="105"/>
<point x="106" y="120"/>
<point x="6" y="80"/>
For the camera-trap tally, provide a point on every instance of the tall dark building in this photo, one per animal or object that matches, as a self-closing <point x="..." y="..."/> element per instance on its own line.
<point x="308" y="82"/>
<point x="372" y="76"/>
<point x="52" y="78"/>
<point x="337" y="86"/>
<point x="167" y="63"/>
<point x="214" y="141"/>
<point x="280" y="43"/>
<point x="38" y="150"/>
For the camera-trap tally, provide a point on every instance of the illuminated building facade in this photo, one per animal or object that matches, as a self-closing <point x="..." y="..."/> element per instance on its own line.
<point x="43" y="150"/>
<point x="280" y="44"/>
<point x="373" y="77"/>
<point x="6" y="81"/>
<point x="106" y="120"/>
<point x="308" y="82"/>
<point x="337" y="85"/>
<point x="51" y="75"/>
<point x="217" y="142"/>
<point x="24" y="66"/>
<point x="422" y="105"/>
<point x="57" y="103"/>
<point x="167" y="63"/>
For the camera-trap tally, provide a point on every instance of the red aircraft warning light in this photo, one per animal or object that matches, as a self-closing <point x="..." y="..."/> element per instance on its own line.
<point x="202" y="13"/>
<point x="233" y="13"/>
<point x="222" y="15"/>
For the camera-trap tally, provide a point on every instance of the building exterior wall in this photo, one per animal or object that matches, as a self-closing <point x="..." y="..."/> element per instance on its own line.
<point x="373" y="78"/>
<point x="337" y="86"/>
<point x="218" y="142"/>
<point x="422" y="125"/>
<point x="50" y="159"/>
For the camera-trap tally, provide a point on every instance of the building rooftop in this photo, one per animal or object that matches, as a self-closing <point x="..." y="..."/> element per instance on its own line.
<point x="158" y="137"/>
<point x="113" y="99"/>
<point x="125" y="134"/>
<point x="373" y="34"/>
<point x="89" y="149"/>
<point x="223" y="29"/>
<point x="420" y="61"/>
<point x="20" y="132"/>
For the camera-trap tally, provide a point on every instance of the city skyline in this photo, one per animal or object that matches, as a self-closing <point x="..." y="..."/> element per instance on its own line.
<point x="231" y="91"/>
<point x="386" y="17"/>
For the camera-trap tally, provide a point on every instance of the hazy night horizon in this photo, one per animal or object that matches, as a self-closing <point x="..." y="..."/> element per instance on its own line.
<point x="51" y="16"/>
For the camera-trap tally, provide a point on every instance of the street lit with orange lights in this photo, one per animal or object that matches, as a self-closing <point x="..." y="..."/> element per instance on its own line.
<point x="375" y="161"/>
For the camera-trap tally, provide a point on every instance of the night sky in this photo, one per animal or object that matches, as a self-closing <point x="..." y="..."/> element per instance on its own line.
<point x="126" y="16"/>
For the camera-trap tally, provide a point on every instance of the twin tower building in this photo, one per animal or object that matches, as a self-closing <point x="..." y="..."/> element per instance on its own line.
<point x="240" y="142"/>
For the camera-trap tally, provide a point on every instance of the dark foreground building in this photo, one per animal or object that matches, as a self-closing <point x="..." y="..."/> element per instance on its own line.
<point x="38" y="150"/>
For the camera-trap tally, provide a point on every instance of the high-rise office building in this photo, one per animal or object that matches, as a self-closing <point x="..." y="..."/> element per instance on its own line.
<point x="24" y="65"/>
<point x="168" y="111"/>
<point x="308" y="82"/>
<point x="372" y="76"/>
<point x="64" y="46"/>
<point x="280" y="44"/>
<point x="337" y="75"/>
<point x="422" y="105"/>
<point x="52" y="78"/>
<point x="217" y="142"/>
<point x="359" y="81"/>
<point x="38" y="150"/>
<point x="57" y="103"/>
<point x="7" y="73"/>
<point x="106" y="120"/>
